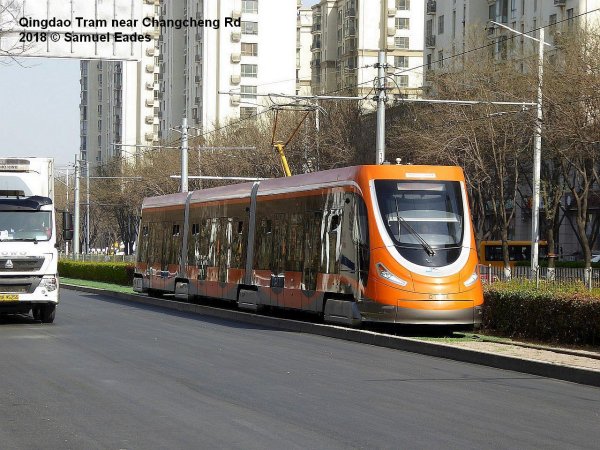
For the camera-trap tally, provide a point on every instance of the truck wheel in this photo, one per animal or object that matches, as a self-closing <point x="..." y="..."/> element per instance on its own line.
<point x="36" y="311"/>
<point x="48" y="312"/>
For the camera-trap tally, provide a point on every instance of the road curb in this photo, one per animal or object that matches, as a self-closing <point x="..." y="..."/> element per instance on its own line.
<point x="544" y="369"/>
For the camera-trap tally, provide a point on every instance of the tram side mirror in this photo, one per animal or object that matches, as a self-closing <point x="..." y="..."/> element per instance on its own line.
<point x="67" y="226"/>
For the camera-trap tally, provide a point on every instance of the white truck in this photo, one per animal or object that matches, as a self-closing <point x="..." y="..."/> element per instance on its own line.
<point x="28" y="255"/>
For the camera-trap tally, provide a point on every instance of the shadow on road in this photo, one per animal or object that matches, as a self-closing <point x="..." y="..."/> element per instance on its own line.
<point x="13" y="319"/>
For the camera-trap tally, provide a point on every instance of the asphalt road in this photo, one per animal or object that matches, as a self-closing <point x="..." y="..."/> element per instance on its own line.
<point x="112" y="375"/>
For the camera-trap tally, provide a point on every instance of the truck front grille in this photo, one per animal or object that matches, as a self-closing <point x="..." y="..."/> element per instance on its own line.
<point x="21" y="264"/>
<point x="19" y="284"/>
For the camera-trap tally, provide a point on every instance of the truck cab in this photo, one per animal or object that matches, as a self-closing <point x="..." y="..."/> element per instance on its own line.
<point x="28" y="255"/>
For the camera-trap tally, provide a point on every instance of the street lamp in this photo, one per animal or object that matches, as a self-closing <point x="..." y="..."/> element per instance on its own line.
<point x="537" y="149"/>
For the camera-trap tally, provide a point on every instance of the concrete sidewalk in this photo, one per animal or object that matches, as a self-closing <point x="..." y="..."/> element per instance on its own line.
<point x="561" y="363"/>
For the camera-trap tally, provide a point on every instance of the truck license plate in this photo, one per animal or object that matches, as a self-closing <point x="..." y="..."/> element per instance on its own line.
<point x="9" y="297"/>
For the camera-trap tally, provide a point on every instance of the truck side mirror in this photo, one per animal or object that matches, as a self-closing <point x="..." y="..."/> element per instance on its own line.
<point x="67" y="226"/>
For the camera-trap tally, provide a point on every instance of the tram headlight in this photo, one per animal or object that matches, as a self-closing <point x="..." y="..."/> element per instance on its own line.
<point x="389" y="276"/>
<point x="472" y="279"/>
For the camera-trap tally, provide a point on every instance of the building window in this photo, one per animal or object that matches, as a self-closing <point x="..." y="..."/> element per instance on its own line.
<point x="552" y="23"/>
<point x="401" y="62"/>
<point x="402" y="23"/>
<point x="99" y="125"/>
<point x="248" y="91"/>
<point x="99" y="95"/>
<point x="441" y="25"/>
<point x="403" y="5"/>
<point x="99" y="109"/>
<point x="402" y="81"/>
<point x="249" y="49"/>
<point x="249" y="70"/>
<point x="249" y="27"/>
<point x="247" y="112"/>
<point x="570" y="18"/>
<point x="440" y="60"/>
<point x="250" y="6"/>
<point x="402" y="43"/>
<point x="429" y="62"/>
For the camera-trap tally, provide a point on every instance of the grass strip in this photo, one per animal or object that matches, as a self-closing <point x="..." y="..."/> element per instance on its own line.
<point x="98" y="285"/>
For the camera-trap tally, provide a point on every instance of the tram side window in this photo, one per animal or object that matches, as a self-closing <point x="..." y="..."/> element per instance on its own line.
<point x="295" y="235"/>
<point x="280" y="247"/>
<point x="362" y="222"/>
<point x="330" y="241"/>
<point x="264" y="245"/>
<point x="312" y="245"/>
<point x="238" y="248"/>
<point x="193" y="245"/>
<point x="143" y="244"/>
<point x="213" y="244"/>
<point x="157" y="243"/>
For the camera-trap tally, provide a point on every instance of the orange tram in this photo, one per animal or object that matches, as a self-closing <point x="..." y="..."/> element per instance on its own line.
<point x="387" y="243"/>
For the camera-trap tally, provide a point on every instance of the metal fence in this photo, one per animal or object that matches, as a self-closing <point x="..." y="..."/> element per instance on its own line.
<point x="559" y="275"/>
<point x="96" y="257"/>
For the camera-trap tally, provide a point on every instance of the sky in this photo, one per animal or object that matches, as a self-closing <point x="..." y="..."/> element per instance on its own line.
<point x="39" y="108"/>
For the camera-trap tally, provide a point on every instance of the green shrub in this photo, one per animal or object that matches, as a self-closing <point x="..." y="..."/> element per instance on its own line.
<point x="553" y="313"/>
<point x="108" y="272"/>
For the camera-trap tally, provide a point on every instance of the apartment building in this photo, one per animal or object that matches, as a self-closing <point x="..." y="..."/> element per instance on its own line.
<point x="214" y="74"/>
<point x="348" y="35"/>
<point x="455" y="26"/>
<point x="119" y="103"/>
<point x="303" y="53"/>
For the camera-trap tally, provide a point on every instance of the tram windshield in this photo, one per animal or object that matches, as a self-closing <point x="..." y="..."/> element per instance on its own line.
<point x="422" y="214"/>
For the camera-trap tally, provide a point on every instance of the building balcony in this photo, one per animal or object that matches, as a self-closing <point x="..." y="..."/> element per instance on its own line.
<point x="431" y="7"/>
<point x="430" y="41"/>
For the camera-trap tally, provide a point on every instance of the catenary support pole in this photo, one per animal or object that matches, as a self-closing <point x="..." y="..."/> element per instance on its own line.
<point x="184" y="155"/>
<point x="537" y="162"/>
<point x="381" y="97"/>
<point x="67" y="183"/>
<point x="76" y="212"/>
<point x="87" y="208"/>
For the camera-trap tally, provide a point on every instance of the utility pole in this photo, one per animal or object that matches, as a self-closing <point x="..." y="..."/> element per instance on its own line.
<point x="537" y="149"/>
<point x="67" y="183"/>
<point x="381" y="98"/>
<point x="87" y="207"/>
<point x="381" y="94"/>
<point x="76" y="212"/>
<point x="184" y="155"/>
<point x="537" y="163"/>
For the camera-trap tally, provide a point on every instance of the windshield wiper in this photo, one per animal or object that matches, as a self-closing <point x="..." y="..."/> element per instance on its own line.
<point x="401" y="220"/>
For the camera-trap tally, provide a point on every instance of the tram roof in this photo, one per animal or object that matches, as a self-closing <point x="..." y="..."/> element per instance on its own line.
<point x="305" y="182"/>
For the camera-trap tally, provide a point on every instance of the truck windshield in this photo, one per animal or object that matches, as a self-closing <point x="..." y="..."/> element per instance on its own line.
<point x="25" y="225"/>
